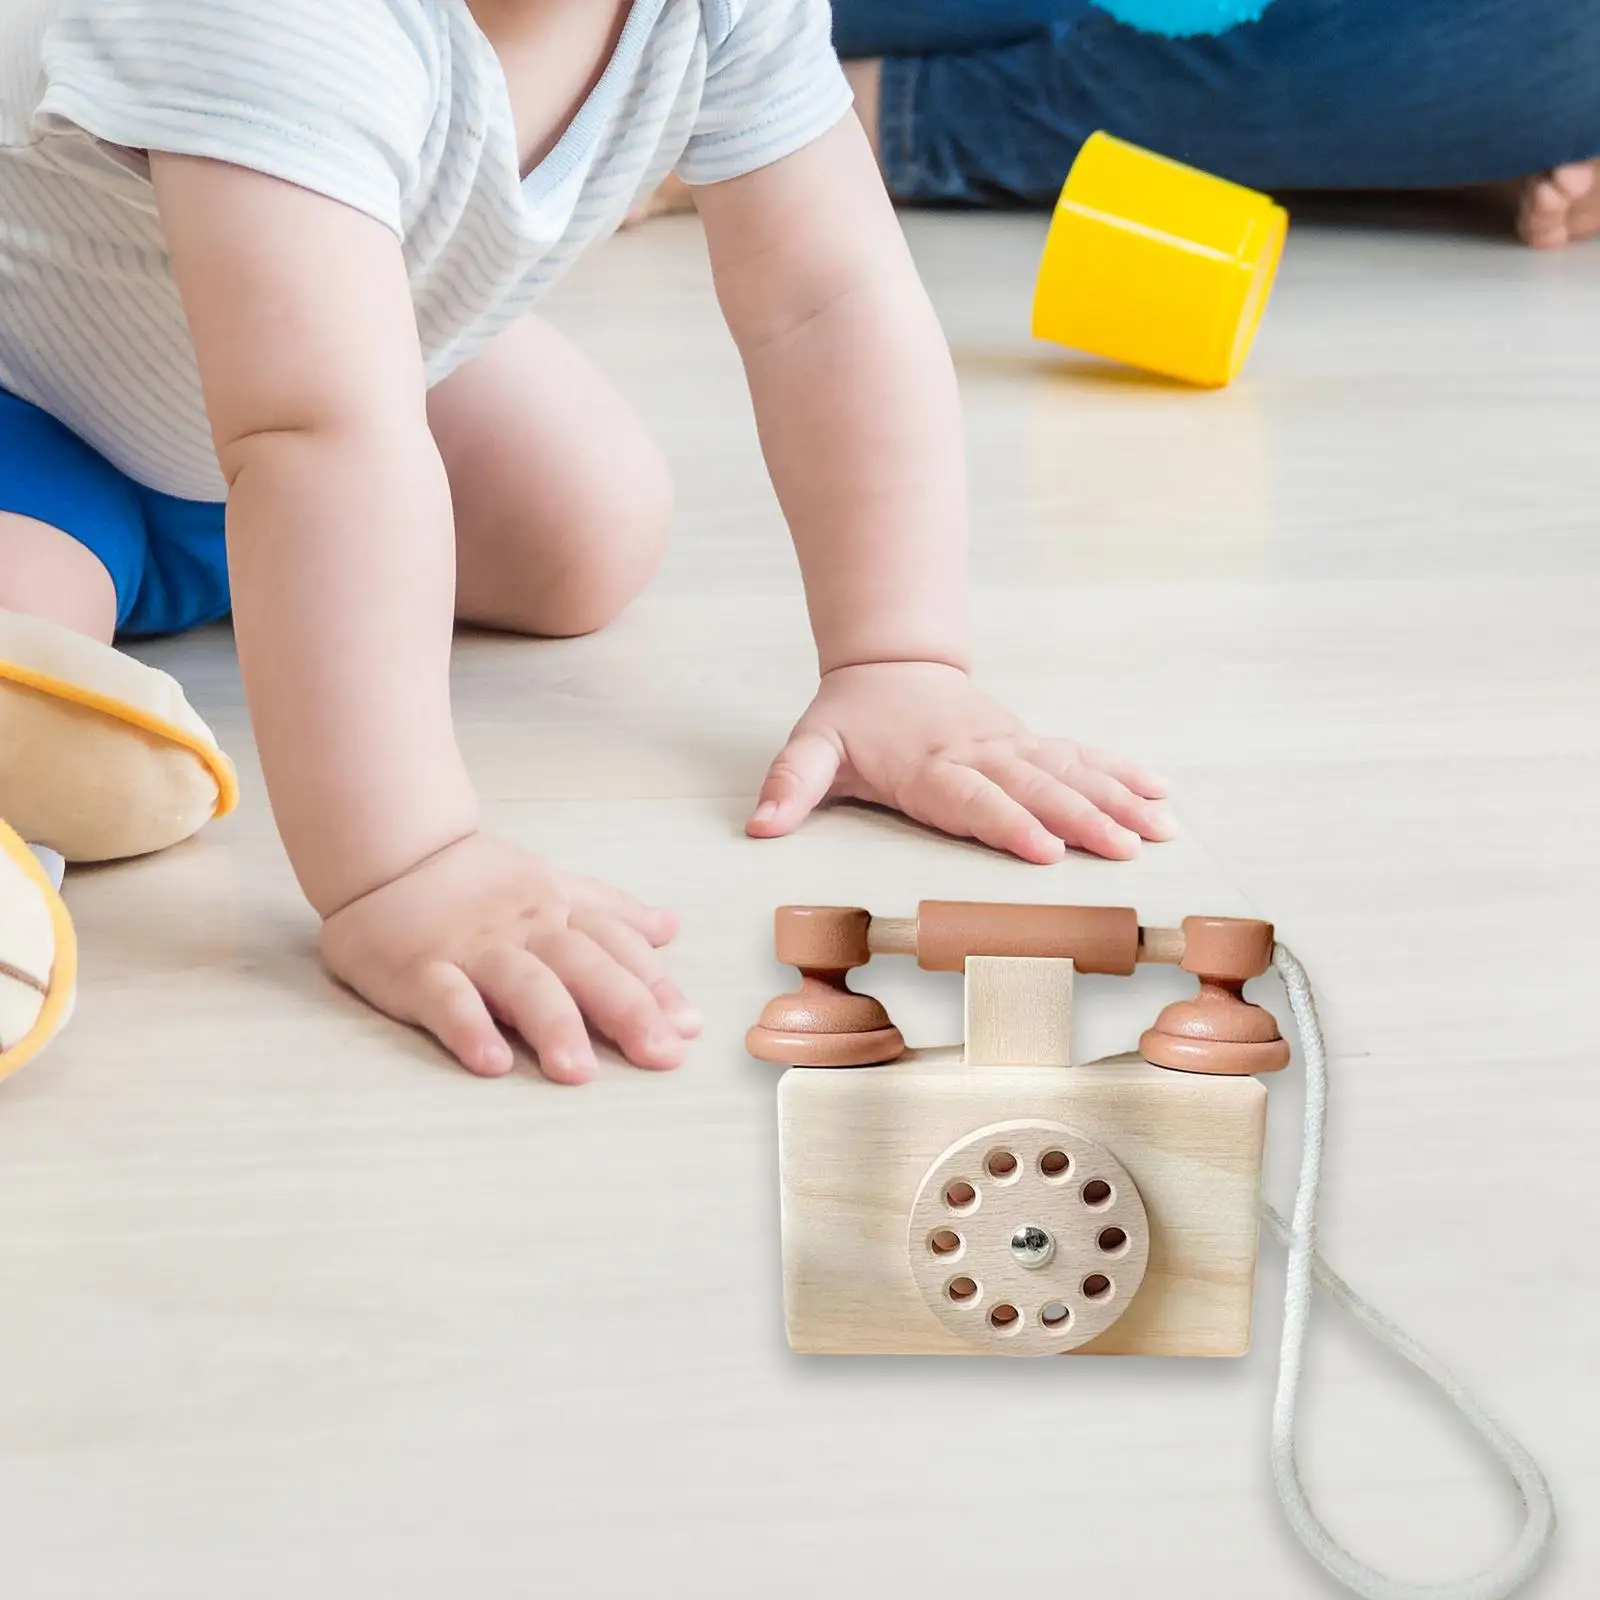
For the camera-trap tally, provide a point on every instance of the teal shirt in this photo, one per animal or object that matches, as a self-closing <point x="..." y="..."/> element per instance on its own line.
<point x="1182" y="19"/>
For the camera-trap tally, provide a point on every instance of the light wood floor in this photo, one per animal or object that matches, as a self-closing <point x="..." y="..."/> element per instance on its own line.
<point x="290" y="1307"/>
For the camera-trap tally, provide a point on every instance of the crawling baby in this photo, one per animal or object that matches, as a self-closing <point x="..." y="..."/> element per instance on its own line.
<point x="269" y="348"/>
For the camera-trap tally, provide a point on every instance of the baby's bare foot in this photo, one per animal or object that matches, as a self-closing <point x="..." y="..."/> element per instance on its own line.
<point x="1561" y="206"/>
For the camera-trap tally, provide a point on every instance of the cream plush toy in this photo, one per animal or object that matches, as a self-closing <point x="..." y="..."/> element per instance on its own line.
<point x="101" y="757"/>
<point x="38" y="955"/>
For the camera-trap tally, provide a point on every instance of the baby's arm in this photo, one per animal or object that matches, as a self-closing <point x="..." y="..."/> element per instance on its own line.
<point x="855" y="395"/>
<point x="339" y="522"/>
<point x="341" y="550"/>
<point x="856" y="400"/>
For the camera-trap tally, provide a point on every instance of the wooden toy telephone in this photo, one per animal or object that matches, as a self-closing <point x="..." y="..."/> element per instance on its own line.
<point x="1002" y="1199"/>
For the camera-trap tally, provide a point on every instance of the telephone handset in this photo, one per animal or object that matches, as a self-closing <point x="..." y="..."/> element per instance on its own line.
<point x="999" y="1199"/>
<point x="826" y="1024"/>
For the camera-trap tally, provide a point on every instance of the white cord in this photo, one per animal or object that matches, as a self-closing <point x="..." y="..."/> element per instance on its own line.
<point x="1517" y="1565"/>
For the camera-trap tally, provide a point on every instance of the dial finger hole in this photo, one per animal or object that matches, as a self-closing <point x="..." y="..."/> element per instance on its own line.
<point x="1113" y="1241"/>
<point x="963" y="1291"/>
<point x="1098" y="1194"/>
<point x="946" y="1242"/>
<point x="1005" y="1319"/>
<point x="1097" y="1287"/>
<point x="1002" y="1166"/>
<point x="1055" y="1166"/>
<point x="1056" y="1316"/>
<point x="961" y="1197"/>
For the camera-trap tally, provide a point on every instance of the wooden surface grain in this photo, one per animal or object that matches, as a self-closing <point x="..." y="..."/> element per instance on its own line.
<point x="289" y="1306"/>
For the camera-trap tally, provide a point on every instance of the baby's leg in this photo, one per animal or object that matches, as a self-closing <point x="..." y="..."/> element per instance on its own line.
<point x="68" y="521"/>
<point x="47" y="573"/>
<point x="562" y="500"/>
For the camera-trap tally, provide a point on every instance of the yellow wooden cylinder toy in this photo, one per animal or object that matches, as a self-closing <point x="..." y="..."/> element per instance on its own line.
<point x="1157" y="265"/>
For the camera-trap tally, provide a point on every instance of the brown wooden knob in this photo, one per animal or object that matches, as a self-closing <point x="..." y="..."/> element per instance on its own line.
<point x="1219" y="1031"/>
<point x="824" y="1023"/>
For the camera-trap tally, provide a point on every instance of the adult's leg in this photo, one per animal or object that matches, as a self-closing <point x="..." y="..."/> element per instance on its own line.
<point x="562" y="499"/>
<point x="865" y="31"/>
<point x="1320" y="94"/>
<point x="872" y="28"/>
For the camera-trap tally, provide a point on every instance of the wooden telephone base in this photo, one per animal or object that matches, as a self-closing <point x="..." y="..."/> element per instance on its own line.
<point x="1000" y="1199"/>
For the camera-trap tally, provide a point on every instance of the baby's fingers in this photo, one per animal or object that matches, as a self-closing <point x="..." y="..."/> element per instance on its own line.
<point x="617" y="1002"/>
<point x="591" y="895"/>
<point x="1070" y="815"/>
<point x="962" y="801"/>
<point x="1129" y="773"/>
<point x="448" y="1005"/>
<point x="632" y="950"/>
<point x="1149" y="819"/>
<point x="797" y="782"/>
<point x="525" y="994"/>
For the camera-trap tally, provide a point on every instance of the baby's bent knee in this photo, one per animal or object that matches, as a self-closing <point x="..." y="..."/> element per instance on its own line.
<point x="578" y="579"/>
<point x="616" y="564"/>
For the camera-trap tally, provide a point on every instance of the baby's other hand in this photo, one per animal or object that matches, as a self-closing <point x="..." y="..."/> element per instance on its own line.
<point x="483" y="932"/>
<point x="920" y="737"/>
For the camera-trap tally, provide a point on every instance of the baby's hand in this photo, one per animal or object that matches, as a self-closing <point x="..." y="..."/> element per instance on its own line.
<point x="483" y="931"/>
<point x="919" y="737"/>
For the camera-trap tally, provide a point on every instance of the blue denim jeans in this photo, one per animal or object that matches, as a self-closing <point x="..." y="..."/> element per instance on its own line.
<point x="985" y="102"/>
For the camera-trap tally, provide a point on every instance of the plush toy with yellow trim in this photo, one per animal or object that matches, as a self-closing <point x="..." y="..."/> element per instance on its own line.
<point x="38" y="955"/>
<point x="101" y="757"/>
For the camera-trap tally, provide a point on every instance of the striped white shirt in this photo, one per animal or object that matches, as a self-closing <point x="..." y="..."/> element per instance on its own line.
<point x="395" y="107"/>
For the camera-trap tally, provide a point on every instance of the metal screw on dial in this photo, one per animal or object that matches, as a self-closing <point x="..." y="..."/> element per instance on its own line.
<point x="1032" y="1246"/>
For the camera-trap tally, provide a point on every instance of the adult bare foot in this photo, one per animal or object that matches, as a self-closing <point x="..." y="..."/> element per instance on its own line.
<point x="1561" y="206"/>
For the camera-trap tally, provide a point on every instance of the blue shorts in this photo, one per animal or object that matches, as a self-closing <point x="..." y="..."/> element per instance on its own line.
<point x="167" y="557"/>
